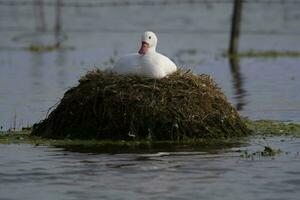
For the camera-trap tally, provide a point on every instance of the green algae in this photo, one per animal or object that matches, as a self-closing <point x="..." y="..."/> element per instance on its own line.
<point x="273" y="128"/>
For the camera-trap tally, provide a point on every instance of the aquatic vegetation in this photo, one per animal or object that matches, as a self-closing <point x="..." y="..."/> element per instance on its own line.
<point x="207" y="144"/>
<point x="268" y="151"/>
<point x="271" y="53"/>
<point x="269" y="127"/>
<point x="101" y="146"/>
<point x="42" y="48"/>
<point x="127" y="107"/>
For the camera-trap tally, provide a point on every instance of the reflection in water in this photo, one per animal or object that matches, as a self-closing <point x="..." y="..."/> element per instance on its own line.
<point x="60" y="58"/>
<point x="37" y="61"/>
<point x="40" y="16"/>
<point x="149" y="149"/>
<point x="61" y="67"/>
<point x="238" y="83"/>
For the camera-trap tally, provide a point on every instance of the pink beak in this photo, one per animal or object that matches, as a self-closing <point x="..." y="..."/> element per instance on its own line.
<point x="144" y="48"/>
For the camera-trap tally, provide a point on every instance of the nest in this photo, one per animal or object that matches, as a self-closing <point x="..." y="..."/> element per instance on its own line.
<point x="125" y="107"/>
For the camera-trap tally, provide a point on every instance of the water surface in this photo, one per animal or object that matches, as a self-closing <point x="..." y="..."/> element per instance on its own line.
<point x="186" y="173"/>
<point x="194" y="35"/>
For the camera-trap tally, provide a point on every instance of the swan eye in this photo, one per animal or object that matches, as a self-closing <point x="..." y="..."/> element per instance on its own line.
<point x="149" y="37"/>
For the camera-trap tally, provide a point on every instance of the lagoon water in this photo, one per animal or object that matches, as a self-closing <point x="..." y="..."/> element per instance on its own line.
<point x="195" y="36"/>
<point x="182" y="173"/>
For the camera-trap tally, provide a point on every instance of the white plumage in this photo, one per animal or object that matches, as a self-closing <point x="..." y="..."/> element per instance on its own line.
<point x="147" y="62"/>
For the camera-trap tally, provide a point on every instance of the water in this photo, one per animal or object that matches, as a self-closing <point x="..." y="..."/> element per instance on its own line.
<point x="194" y="36"/>
<point x="188" y="173"/>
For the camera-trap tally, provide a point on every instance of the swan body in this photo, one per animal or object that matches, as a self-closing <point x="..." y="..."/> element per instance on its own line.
<point x="147" y="62"/>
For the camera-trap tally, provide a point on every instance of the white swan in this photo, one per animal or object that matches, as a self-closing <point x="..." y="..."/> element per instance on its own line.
<point x="147" y="62"/>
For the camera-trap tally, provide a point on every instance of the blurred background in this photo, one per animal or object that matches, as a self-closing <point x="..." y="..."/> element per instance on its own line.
<point x="46" y="45"/>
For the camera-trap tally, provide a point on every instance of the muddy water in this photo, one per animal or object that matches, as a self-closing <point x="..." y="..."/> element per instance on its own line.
<point x="29" y="172"/>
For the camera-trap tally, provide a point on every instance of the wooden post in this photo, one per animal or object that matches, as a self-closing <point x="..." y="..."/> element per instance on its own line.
<point x="57" y="27"/>
<point x="40" y="16"/>
<point x="235" y="27"/>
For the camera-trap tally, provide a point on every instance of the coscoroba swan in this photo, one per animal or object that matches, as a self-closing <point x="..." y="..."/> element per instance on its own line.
<point x="147" y="62"/>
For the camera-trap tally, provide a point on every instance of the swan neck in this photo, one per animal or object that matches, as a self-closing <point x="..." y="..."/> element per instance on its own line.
<point x="152" y="49"/>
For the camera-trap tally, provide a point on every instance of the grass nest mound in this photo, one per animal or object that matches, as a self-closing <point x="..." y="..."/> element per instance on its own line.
<point x="125" y="107"/>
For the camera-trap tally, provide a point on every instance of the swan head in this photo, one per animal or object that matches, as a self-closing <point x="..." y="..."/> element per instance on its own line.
<point x="149" y="41"/>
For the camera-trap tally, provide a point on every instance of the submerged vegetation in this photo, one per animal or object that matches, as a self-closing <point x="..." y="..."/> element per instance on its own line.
<point x="127" y="107"/>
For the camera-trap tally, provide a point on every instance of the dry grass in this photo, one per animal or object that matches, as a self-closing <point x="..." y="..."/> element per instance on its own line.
<point x="110" y="106"/>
